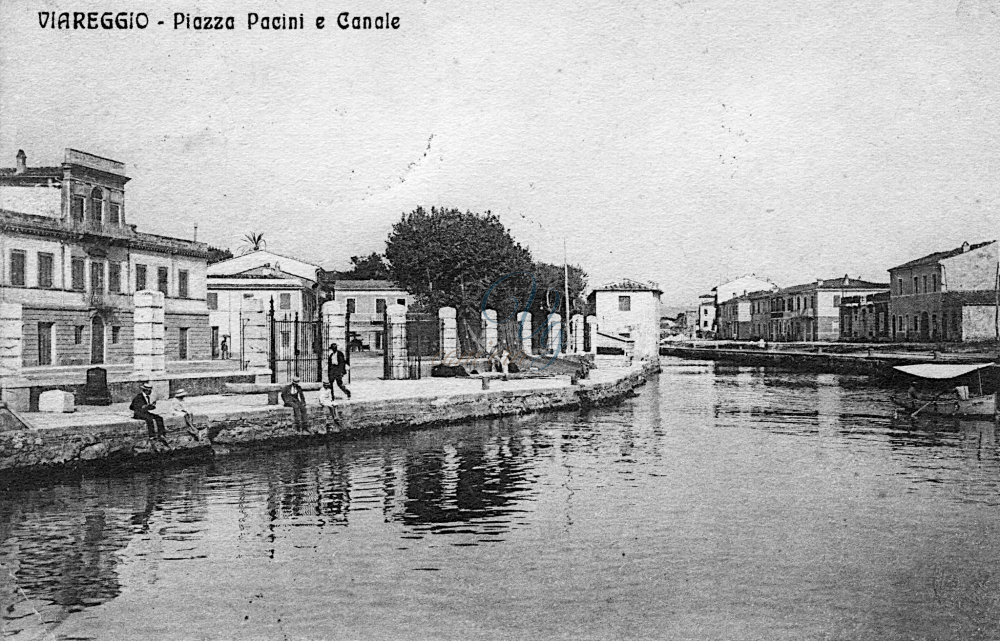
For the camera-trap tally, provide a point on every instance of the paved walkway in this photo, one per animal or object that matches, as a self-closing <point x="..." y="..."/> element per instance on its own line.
<point x="362" y="391"/>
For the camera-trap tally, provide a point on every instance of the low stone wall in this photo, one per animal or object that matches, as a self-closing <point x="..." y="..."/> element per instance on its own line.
<point x="25" y="453"/>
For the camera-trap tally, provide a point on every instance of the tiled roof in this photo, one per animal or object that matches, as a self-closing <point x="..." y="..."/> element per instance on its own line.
<point x="365" y="285"/>
<point x="930" y="259"/>
<point x="833" y="283"/>
<point x="32" y="171"/>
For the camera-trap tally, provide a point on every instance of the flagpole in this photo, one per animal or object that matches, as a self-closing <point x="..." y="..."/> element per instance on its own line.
<point x="566" y="294"/>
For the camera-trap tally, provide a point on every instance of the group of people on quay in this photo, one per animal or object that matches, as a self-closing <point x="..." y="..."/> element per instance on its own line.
<point x="157" y="414"/>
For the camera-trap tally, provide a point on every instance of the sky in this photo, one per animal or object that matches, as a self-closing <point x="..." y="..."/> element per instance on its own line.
<point x="683" y="142"/>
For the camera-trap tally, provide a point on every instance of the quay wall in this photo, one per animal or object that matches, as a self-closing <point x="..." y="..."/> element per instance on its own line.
<point x="123" y="444"/>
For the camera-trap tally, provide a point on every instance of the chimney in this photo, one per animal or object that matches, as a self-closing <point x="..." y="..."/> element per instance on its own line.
<point x="847" y="280"/>
<point x="22" y="162"/>
<point x="965" y="247"/>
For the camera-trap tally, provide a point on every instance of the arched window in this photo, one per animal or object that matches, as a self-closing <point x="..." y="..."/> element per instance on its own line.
<point x="97" y="204"/>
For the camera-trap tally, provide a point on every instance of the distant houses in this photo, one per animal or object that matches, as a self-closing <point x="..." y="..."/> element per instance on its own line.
<point x="949" y="295"/>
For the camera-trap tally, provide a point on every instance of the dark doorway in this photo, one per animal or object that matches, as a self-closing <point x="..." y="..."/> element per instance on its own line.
<point x="97" y="341"/>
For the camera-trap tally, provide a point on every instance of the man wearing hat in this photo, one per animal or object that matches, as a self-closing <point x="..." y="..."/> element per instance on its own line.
<point x="336" y="368"/>
<point x="141" y="405"/>
<point x="293" y="396"/>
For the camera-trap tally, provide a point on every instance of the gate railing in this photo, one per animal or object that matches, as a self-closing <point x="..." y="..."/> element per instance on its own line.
<point x="296" y="348"/>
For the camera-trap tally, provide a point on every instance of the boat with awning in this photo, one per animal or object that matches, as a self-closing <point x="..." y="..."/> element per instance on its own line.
<point x="954" y="400"/>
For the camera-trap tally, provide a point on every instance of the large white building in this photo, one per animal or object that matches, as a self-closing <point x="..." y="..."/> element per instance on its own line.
<point x="257" y="280"/>
<point x="365" y="302"/>
<point x="628" y="310"/>
<point x="71" y="259"/>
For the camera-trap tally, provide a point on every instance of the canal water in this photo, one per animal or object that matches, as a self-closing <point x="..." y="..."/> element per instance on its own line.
<point x="720" y="503"/>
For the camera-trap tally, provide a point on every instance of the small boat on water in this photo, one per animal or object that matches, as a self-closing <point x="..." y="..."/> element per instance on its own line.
<point x="950" y="401"/>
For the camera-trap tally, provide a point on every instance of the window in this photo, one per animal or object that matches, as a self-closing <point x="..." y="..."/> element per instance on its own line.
<point x="115" y="213"/>
<point x="182" y="283"/>
<point x="212" y="300"/>
<point x="140" y="277"/>
<point x="78" y="335"/>
<point x="925" y="285"/>
<point x="116" y="334"/>
<point x="161" y="280"/>
<point x="182" y="343"/>
<point x="97" y="204"/>
<point x="934" y="283"/>
<point x="836" y="301"/>
<point x="379" y="305"/>
<point x="76" y="208"/>
<point x="77" y="267"/>
<point x="899" y="286"/>
<point x="351" y="305"/>
<point x="624" y="303"/>
<point x="284" y="301"/>
<point x="916" y="285"/>
<point x="17" y="265"/>
<point x="45" y="343"/>
<point x="97" y="276"/>
<point x="46" y="264"/>
<point x="401" y="301"/>
<point x="115" y="277"/>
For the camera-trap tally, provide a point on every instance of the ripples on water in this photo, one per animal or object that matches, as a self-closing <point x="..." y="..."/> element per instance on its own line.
<point x="722" y="503"/>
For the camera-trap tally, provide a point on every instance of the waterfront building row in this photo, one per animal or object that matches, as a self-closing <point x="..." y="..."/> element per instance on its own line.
<point x="945" y="296"/>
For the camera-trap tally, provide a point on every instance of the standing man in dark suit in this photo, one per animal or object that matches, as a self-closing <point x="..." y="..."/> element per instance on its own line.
<point x="336" y="368"/>
<point x="141" y="407"/>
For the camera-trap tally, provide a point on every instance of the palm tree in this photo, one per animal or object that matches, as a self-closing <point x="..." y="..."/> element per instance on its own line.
<point x="253" y="241"/>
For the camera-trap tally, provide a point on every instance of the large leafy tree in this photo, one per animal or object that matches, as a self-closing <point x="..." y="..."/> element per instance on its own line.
<point x="550" y="296"/>
<point x="370" y="267"/>
<point x="458" y="259"/>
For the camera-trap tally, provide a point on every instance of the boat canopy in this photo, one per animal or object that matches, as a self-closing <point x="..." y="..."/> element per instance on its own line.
<point x="942" y="370"/>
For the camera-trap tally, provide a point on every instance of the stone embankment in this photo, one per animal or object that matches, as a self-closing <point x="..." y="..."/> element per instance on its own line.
<point x="107" y="437"/>
<point x="831" y="357"/>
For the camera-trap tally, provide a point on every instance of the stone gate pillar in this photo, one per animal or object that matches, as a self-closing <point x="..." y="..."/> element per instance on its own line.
<point x="555" y="333"/>
<point x="449" y="335"/>
<point x="399" y="363"/>
<point x="576" y="332"/>
<point x="592" y="329"/>
<point x="15" y="391"/>
<point x="149" y="359"/>
<point x="490" y="339"/>
<point x="255" y="339"/>
<point x="524" y="326"/>
<point x="335" y="325"/>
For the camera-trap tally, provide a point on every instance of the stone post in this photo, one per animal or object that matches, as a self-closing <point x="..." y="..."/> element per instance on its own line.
<point x="449" y="335"/>
<point x="490" y="339"/>
<point x="524" y="325"/>
<point x="256" y="342"/>
<point x="592" y="328"/>
<point x="555" y="333"/>
<point x="576" y="331"/>
<point x="399" y="364"/>
<point x="16" y="393"/>
<point x="149" y="360"/>
<point x="335" y="325"/>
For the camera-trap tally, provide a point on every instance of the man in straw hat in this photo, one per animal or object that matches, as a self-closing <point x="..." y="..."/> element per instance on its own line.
<point x="293" y="396"/>
<point x="141" y="407"/>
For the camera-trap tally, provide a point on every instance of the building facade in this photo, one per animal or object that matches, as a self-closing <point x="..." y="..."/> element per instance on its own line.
<point x="733" y="318"/>
<point x="865" y="318"/>
<point x="365" y="302"/>
<point x="705" y="325"/>
<point x="946" y="296"/>
<point x="258" y="280"/>
<point x="70" y="257"/>
<point x="811" y="312"/>
<point x="628" y="310"/>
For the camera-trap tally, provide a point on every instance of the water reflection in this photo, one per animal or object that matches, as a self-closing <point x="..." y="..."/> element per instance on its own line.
<point x="736" y="459"/>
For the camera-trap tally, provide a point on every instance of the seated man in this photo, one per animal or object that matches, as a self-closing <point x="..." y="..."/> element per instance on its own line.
<point x="142" y="406"/>
<point x="292" y="396"/>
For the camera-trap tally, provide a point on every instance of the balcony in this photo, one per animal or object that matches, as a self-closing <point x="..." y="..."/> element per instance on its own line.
<point x="106" y="300"/>
<point x="99" y="228"/>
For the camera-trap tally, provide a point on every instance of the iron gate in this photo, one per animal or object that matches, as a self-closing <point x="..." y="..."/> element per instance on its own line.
<point x="296" y="348"/>
<point x="423" y="343"/>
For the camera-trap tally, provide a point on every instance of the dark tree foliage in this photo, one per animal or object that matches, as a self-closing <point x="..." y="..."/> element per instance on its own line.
<point x="450" y="258"/>
<point x="370" y="267"/>
<point x="217" y="254"/>
<point x="550" y="296"/>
